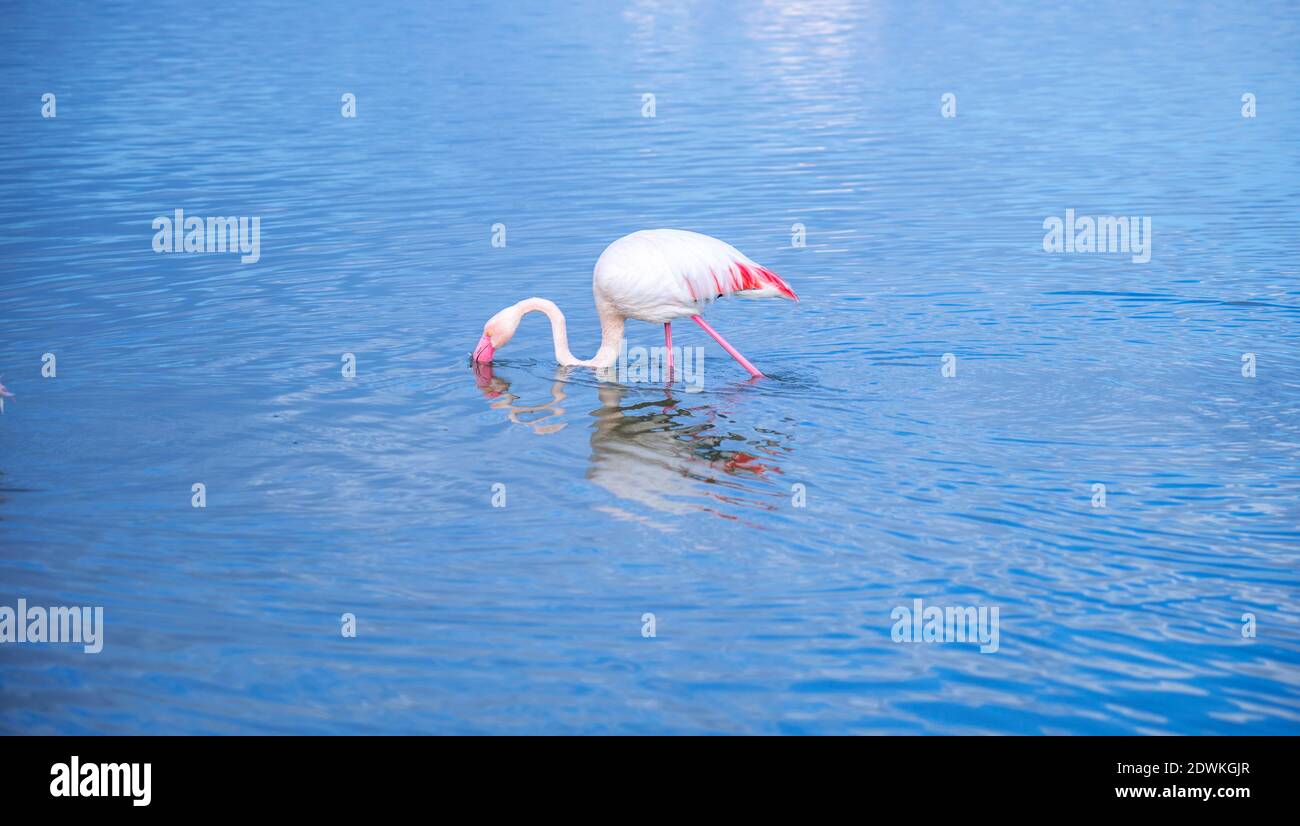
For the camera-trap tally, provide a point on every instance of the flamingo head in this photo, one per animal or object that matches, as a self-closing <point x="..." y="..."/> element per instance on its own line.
<point x="499" y="329"/>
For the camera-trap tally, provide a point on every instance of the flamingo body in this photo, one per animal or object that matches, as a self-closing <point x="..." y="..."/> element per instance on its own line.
<point x="655" y="275"/>
<point x="659" y="275"/>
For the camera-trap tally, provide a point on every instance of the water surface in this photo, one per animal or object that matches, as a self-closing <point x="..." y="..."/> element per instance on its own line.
<point x="374" y="495"/>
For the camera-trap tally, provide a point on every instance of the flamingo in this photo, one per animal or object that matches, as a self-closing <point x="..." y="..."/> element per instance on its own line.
<point x="4" y="393"/>
<point x="655" y="275"/>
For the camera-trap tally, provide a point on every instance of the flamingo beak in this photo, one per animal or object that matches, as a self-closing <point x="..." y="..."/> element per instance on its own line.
<point x="483" y="351"/>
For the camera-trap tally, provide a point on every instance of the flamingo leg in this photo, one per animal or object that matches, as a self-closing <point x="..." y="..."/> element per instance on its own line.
<point x="668" y="346"/>
<point x="735" y="354"/>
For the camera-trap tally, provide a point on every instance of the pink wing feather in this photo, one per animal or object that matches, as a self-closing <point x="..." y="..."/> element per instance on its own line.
<point x="658" y="272"/>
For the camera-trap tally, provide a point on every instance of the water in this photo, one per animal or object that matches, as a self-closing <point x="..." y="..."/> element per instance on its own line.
<point x="373" y="495"/>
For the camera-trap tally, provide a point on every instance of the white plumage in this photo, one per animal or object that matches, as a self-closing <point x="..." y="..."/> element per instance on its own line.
<point x="659" y="275"/>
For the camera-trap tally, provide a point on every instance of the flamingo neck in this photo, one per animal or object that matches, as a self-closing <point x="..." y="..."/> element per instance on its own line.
<point x="611" y="332"/>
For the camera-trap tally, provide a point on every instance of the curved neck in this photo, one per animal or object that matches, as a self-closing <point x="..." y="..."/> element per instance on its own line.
<point x="611" y="332"/>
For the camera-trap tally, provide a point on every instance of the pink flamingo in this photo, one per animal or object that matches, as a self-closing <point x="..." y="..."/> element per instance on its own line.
<point x="654" y="275"/>
<point x="4" y="393"/>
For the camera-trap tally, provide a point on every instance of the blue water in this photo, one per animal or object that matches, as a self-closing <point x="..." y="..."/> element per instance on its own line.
<point x="374" y="495"/>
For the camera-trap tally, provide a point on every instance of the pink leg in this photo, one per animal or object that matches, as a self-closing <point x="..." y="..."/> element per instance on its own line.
<point x="668" y="345"/>
<point x="735" y="354"/>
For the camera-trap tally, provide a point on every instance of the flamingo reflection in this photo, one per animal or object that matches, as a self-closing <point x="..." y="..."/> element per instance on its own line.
<point x="653" y="450"/>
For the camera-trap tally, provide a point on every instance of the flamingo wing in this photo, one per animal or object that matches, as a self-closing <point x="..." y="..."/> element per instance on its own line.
<point x="662" y="274"/>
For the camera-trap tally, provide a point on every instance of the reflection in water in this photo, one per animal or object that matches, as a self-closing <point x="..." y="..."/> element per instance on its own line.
<point x="495" y="387"/>
<point x="656" y="452"/>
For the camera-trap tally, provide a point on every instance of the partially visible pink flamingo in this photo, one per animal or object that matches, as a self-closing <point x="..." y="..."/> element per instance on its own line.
<point x="655" y="275"/>
<point x="4" y="393"/>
